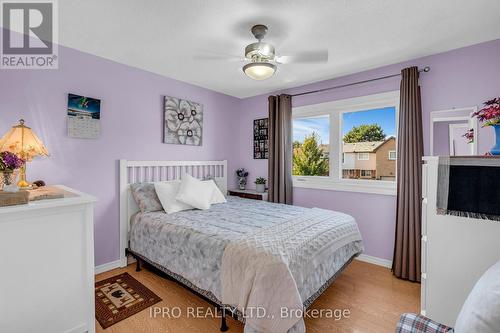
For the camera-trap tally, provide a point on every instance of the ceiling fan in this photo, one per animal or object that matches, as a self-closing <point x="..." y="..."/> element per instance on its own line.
<point x="264" y="60"/>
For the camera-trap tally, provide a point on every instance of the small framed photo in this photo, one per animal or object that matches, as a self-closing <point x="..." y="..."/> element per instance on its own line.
<point x="260" y="138"/>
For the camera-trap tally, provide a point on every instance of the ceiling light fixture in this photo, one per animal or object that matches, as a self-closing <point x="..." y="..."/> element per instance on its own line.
<point x="261" y="55"/>
<point x="259" y="70"/>
<point x="263" y="60"/>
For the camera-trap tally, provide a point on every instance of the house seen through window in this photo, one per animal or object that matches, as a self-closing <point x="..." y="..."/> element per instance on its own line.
<point x="367" y="147"/>
<point x="369" y="144"/>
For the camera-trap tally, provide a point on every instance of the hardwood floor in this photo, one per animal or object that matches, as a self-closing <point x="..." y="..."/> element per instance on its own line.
<point x="373" y="296"/>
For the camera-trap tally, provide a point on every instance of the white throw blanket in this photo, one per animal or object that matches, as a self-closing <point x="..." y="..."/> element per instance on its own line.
<point x="262" y="271"/>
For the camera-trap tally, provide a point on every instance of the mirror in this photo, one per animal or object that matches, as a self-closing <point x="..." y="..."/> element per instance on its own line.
<point x="448" y="129"/>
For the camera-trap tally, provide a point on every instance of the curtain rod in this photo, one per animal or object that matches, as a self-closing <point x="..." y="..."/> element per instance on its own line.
<point x="425" y="70"/>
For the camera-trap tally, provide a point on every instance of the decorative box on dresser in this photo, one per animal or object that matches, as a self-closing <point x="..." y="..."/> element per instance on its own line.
<point x="456" y="251"/>
<point x="47" y="265"/>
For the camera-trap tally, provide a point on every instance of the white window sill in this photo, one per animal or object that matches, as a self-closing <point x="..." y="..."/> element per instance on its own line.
<point x="360" y="186"/>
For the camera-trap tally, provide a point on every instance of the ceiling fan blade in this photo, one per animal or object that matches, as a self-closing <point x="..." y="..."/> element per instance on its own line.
<point x="218" y="57"/>
<point x="311" y="57"/>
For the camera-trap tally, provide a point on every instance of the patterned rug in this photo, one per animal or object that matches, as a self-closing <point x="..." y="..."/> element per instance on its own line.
<point x="120" y="297"/>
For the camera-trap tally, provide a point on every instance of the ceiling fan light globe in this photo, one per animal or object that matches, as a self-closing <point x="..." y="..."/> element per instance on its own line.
<point x="259" y="70"/>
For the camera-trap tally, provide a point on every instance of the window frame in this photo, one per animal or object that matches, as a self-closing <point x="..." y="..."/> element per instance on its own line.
<point x="395" y="155"/>
<point x="367" y="173"/>
<point x="363" y="154"/>
<point x="335" y="110"/>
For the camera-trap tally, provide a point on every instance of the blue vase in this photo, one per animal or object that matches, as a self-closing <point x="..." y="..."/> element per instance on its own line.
<point x="496" y="149"/>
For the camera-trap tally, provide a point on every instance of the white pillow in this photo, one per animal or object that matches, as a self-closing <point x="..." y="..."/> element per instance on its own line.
<point x="481" y="310"/>
<point x="166" y="192"/>
<point x="195" y="192"/>
<point x="217" y="197"/>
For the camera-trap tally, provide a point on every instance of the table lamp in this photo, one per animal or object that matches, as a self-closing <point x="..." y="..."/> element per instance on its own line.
<point x="21" y="141"/>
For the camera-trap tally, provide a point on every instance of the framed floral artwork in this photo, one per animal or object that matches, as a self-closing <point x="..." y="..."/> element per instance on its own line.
<point x="183" y="122"/>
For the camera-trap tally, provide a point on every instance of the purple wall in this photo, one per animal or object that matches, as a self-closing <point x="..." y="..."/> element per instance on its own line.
<point x="459" y="78"/>
<point x="131" y="128"/>
<point x="442" y="137"/>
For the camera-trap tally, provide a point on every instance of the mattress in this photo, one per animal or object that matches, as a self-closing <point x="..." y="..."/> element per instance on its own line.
<point x="190" y="244"/>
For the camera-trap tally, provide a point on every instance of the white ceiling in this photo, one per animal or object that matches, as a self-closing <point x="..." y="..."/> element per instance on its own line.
<point x="172" y="38"/>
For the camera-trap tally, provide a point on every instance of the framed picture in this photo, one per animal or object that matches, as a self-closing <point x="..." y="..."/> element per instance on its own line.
<point x="260" y="138"/>
<point x="182" y="122"/>
<point x="84" y="117"/>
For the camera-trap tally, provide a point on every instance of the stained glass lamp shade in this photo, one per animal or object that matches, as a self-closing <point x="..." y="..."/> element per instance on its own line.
<point x="21" y="141"/>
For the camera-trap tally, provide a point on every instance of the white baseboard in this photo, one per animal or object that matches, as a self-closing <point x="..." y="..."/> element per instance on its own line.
<point x="107" y="267"/>
<point x="375" y="260"/>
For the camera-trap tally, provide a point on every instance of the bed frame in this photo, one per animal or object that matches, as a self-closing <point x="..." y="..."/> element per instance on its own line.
<point x="153" y="171"/>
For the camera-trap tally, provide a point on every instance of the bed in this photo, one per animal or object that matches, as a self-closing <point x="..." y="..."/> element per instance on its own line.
<point x="211" y="251"/>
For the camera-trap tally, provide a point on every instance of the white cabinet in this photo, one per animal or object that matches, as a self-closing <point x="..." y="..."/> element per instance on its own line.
<point x="456" y="251"/>
<point x="47" y="266"/>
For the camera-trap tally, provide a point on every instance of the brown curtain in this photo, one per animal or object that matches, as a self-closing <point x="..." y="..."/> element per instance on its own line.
<point x="280" y="149"/>
<point x="406" y="263"/>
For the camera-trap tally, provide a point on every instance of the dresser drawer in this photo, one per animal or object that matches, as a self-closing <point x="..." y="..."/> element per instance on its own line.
<point x="254" y="196"/>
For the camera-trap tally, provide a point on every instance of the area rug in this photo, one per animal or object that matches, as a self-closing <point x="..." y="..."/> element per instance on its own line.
<point x="120" y="297"/>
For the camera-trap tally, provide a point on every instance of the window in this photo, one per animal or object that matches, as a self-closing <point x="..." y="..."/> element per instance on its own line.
<point x="363" y="156"/>
<point x="366" y="173"/>
<point x="347" y="145"/>
<point x="370" y="135"/>
<point x="311" y="147"/>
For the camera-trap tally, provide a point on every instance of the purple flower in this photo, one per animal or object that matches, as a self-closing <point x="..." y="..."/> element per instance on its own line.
<point x="490" y="113"/>
<point x="241" y="172"/>
<point x="10" y="161"/>
<point x="493" y="101"/>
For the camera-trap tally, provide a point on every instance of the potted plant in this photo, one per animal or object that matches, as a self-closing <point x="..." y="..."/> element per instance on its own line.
<point x="490" y="116"/>
<point x="260" y="184"/>
<point x="9" y="164"/>
<point x="242" y="178"/>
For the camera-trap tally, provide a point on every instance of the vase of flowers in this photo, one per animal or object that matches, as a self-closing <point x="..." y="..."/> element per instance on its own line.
<point x="489" y="115"/>
<point x="260" y="184"/>
<point x="496" y="148"/>
<point x="242" y="178"/>
<point x="9" y="164"/>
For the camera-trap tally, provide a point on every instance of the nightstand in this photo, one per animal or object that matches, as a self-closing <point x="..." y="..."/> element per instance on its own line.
<point x="54" y="240"/>
<point x="249" y="194"/>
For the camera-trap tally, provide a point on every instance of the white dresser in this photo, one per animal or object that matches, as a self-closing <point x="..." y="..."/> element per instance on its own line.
<point x="456" y="251"/>
<point x="47" y="265"/>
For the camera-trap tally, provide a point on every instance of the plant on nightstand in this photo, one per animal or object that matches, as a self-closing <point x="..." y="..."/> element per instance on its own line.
<point x="9" y="164"/>
<point x="242" y="178"/>
<point x="260" y="184"/>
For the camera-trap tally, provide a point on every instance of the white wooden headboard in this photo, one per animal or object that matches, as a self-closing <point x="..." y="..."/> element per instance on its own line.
<point x="154" y="171"/>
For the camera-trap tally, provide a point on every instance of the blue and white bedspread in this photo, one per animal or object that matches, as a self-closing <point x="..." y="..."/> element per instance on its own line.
<point x="192" y="243"/>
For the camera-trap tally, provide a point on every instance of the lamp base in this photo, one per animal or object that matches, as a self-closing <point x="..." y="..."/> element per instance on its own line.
<point x="22" y="183"/>
<point x="22" y="178"/>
